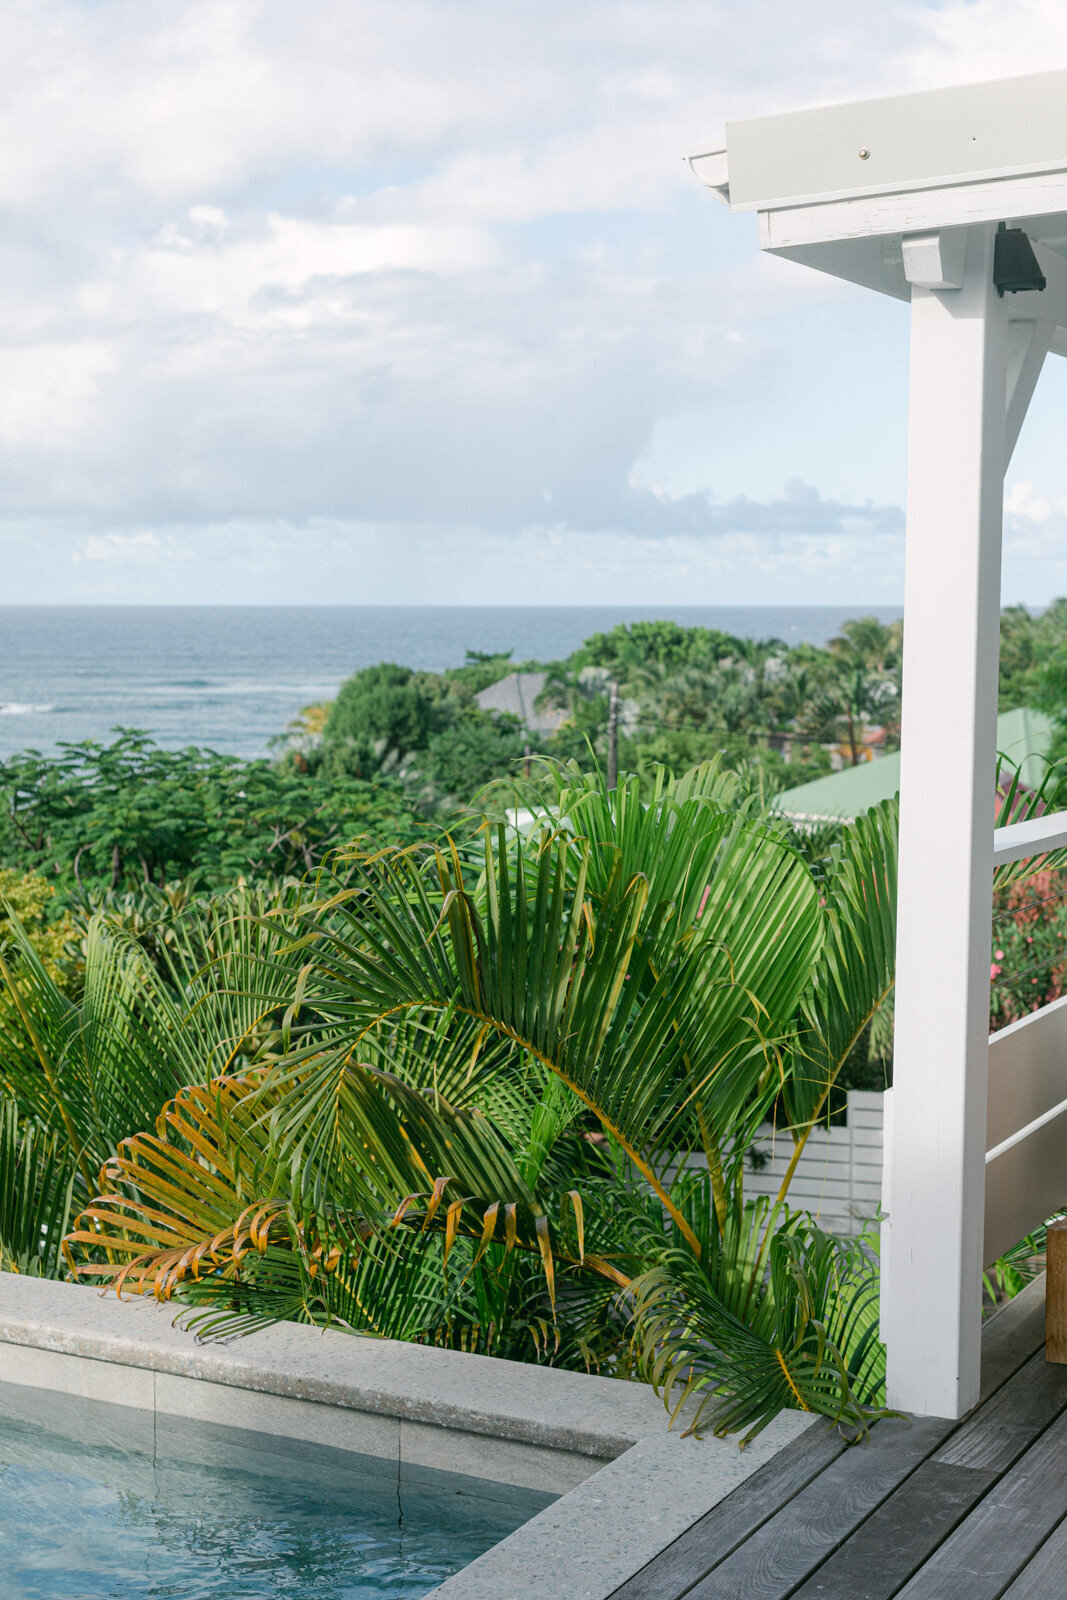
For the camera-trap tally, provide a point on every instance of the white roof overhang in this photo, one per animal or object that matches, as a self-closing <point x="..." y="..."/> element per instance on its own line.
<point x="872" y="191"/>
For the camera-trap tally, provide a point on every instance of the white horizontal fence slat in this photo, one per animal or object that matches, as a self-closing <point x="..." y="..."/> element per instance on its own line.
<point x="839" y="1175"/>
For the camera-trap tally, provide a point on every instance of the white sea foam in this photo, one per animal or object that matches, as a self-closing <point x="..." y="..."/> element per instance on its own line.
<point x="21" y="708"/>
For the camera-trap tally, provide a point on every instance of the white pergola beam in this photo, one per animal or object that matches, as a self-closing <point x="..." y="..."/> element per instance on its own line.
<point x="933" y="1240"/>
<point x="971" y="134"/>
<point x="953" y="206"/>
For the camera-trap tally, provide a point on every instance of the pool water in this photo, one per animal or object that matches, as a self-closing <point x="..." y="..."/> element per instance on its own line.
<point x="101" y="1502"/>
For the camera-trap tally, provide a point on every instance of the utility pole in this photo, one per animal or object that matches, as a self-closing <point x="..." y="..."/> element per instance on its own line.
<point x="613" y="733"/>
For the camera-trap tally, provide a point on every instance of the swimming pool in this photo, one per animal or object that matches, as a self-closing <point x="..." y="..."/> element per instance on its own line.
<point x="102" y="1502"/>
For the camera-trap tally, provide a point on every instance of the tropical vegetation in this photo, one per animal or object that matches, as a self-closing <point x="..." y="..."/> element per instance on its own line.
<point x="423" y="1030"/>
<point x="127" y="816"/>
<point x="497" y="1100"/>
<point x="687" y="694"/>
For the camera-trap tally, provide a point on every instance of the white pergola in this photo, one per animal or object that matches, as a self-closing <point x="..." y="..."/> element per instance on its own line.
<point x="905" y="195"/>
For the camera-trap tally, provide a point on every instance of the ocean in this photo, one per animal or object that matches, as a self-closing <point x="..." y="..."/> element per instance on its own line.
<point x="231" y="678"/>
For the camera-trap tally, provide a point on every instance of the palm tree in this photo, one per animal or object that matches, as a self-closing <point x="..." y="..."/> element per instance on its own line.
<point x="533" y="1086"/>
<point x="868" y="686"/>
<point x="77" y="1077"/>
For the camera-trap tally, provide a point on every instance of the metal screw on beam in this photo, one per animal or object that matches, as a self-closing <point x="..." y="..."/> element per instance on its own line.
<point x="864" y="153"/>
<point x="1056" y="1293"/>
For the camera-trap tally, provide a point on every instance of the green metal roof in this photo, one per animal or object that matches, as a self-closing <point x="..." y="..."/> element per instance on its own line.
<point x="1023" y="736"/>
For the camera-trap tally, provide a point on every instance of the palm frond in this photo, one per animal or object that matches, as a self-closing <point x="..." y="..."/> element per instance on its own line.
<point x="855" y="971"/>
<point x="651" y="1029"/>
<point x="738" y="1349"/>
<point x="37" y="1185"/>
<point x="214" y="1191"/>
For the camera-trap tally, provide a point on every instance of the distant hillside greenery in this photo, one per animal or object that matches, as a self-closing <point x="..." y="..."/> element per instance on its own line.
<point x="128" y="816"/>
<point x="779" y="712"/>
<point x="401" y="756"/>
<point x="1033" y="665"/>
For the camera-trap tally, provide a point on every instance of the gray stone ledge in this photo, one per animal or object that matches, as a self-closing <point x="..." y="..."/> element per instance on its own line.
<point x="588" y="1542"/>
<point x="568" y="1411"/>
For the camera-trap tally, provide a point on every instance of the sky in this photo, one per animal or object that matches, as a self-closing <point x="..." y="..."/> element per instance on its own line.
<point x="414" y="301"/>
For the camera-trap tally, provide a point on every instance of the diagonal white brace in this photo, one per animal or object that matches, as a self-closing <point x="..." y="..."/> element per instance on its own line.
<point x="1028" y="345"/>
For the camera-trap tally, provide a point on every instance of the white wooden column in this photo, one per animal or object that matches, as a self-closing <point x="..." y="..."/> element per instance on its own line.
<point x="935" y="1173"/>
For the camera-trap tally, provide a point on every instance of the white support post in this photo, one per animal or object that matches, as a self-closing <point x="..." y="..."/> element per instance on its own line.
<point x="932" y="1244"/>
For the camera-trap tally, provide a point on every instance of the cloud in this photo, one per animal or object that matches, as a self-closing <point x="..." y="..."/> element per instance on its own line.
<point x="800" y="510"/>
<point x="415" y="265"/>
<point x="1035" y="524"/>
<point x="333" y="562"/>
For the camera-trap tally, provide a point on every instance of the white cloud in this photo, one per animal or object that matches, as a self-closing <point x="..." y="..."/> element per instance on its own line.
<point x="48" y="390"/>
<point x="432" y="269"/>
<point x="329" y="561"/>
<point x="118" y="547"/>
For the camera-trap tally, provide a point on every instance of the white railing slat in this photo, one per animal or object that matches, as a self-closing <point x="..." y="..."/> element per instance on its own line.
<point x="1027" y="1071"/>
<point x="1026" y="1126"/>
<point x="1021" y="839"/>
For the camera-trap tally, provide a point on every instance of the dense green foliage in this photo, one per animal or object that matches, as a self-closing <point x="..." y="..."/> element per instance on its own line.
<point x="426" y="727"/>
<point x="26" y="900"/>
<point x="686" y="695"/>
<point x="128" y="814"/>
<point x="496" y="1093"/>
<point x="503" y="1106"/>
<point x="398" y="751"/>
<point x="1033" y="664"/>
<point x="695" y="692"/>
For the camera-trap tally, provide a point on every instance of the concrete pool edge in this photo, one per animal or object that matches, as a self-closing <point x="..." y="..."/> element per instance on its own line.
<point x="628" y="1485"/>
<point x="605" y="1530"/>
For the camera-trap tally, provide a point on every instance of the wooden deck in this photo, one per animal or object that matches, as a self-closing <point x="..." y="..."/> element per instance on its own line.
<point x="926" y="1510"/>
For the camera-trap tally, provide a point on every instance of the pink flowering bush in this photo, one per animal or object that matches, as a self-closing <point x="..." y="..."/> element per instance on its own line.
<point x="1029" y="950"/>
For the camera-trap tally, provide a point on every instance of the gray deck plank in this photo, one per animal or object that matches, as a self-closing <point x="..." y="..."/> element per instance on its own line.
<point x="994" y="1436"/>
<point x="789" y="1547"/>
<point x="1043" y="1577"/>
<point x="893" y="1544"/>
<point x="992" y="1546"/>
<point x="674" y="1571"/>
<point x="906" y="1530"/>
<point x="1011" y="1336"/>
<point x="824" y="1523"/>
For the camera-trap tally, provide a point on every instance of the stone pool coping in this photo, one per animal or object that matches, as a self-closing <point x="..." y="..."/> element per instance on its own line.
<point x="628" y="1484"/>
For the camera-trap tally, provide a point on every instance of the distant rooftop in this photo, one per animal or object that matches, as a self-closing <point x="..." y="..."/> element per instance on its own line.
<point x="517" y="694"/>
<point x="1023" y="736"/>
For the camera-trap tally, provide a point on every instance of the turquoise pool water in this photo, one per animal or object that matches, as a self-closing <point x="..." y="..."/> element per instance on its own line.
<point x="99" y="1502"/>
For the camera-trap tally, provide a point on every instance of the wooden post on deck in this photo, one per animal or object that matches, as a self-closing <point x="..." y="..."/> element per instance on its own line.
<point x="1056" y="1293"/>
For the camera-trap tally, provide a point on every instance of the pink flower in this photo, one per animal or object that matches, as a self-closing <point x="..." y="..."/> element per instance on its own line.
<point x="994" y="971"/>
<point x="999" y="954"/>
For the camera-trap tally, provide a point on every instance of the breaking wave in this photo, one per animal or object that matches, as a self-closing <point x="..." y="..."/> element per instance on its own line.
<point x="21" y="708"/>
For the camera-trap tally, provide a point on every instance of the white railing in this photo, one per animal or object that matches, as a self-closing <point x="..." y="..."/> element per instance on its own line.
<point x="1026" y="1107"/>
<point x="1026" y="1127"/>
<point x="1032" y="838"/>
